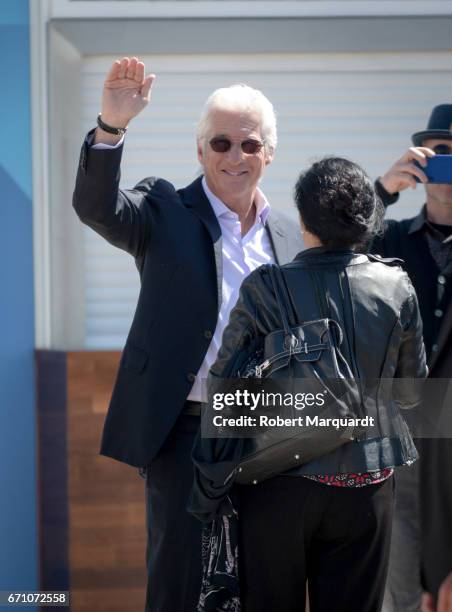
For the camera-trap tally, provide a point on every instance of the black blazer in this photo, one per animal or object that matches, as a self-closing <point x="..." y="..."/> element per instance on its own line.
<point x="176" y="241"/>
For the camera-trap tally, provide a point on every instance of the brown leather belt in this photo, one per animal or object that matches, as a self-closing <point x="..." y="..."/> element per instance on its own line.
<point x="192" y="408"/>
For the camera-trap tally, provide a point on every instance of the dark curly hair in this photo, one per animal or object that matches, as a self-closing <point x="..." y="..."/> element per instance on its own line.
<point x="338" y="204"/>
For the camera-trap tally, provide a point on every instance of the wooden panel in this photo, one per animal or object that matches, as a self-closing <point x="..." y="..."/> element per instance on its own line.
<point x="107" y="538"/>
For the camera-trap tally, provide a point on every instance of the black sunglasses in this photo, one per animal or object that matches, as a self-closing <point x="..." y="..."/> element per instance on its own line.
<point x="443" y="149"/>
<point x="220" y="144"/>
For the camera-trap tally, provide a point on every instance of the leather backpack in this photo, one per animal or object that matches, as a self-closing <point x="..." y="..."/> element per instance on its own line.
<point x="300" y="355"/>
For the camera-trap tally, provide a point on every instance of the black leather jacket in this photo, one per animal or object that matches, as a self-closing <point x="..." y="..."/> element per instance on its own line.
<point x="376" y="306"/>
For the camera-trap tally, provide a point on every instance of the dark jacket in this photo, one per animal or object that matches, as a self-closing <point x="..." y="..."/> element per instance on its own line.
<point x="409" y="239"/>
<point x="376" y="307"/>
<point x="175" y="239"/>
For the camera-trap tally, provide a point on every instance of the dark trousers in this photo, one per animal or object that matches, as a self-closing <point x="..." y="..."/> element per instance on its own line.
<point x="174" y="537"/>
<point x="293" y="529"/>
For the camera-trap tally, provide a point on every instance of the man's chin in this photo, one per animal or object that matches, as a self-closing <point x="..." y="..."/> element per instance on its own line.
<point x="239" y="184"/>
<point x="441" y="193"/>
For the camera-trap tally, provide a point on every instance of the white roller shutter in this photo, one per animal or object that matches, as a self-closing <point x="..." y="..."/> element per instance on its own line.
<point x="360" y="106"/>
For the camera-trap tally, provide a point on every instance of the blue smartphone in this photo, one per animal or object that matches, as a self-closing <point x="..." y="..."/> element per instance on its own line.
<point x="438" y="169"/>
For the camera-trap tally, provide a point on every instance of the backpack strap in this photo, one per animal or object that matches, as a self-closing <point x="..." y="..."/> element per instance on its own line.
<point x="287" y="297"/>
<point x="284" y="303"/>
<point x="320" y="293"/>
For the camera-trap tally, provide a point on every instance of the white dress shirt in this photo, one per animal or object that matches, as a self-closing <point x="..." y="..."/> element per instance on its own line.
<point x="241" y="255"/>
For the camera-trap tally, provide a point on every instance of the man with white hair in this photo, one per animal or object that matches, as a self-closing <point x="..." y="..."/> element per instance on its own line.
<point x="192" y="247"/>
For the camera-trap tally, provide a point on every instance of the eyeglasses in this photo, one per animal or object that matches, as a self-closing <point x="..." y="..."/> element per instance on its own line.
<point x="220" y="144"/>
<point x="443" y="149"/>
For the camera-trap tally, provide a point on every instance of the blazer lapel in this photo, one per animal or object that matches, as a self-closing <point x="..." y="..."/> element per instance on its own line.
<point x="196" y="200"/>
<point x="278" y="239"/>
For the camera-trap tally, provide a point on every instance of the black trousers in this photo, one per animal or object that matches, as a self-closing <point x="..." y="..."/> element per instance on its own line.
<point x="174" y="537"/>
<point x="294" y="530"/>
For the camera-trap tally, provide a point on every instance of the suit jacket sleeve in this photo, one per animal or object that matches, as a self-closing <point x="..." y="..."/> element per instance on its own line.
<point x="123" y="217"/>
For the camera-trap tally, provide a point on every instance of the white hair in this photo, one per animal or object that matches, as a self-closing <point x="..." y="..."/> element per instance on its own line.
<point x="243" y="98"/>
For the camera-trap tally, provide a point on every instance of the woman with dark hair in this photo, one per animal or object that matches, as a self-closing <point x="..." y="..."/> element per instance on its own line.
<point x="338" y="206"/>
<point x="327" y="522"/>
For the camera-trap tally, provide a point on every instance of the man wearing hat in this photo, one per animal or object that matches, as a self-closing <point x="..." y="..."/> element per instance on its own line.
<point x="422" y="536"/>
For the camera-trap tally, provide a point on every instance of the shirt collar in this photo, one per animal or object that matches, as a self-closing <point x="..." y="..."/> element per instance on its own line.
<point x="220" y="209"/>
<point x="421" y="222"/>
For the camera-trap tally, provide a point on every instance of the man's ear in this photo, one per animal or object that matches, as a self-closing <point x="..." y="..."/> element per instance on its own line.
<point x="269" y="156"/>
<point x="199" y="151"/>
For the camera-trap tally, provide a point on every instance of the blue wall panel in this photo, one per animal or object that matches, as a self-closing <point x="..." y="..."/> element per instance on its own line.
<point x="18" y="534"/>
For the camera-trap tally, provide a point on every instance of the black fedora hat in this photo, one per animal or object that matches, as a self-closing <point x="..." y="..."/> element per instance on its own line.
<point x="439" y="125"/>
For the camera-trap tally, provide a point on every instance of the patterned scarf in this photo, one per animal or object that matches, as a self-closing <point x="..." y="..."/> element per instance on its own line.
<point x="220" y="580"/>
